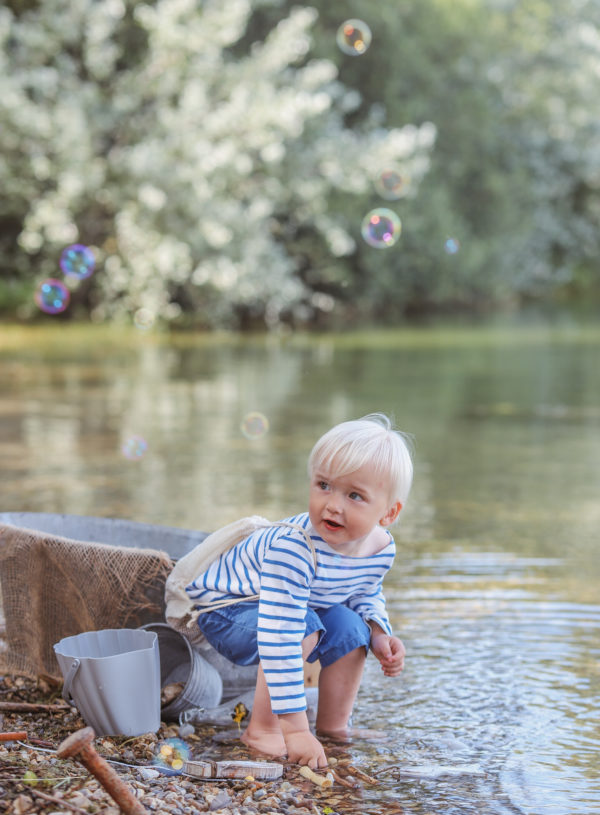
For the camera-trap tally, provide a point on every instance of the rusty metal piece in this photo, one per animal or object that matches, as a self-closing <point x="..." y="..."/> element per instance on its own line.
<point x="80" y="745"/>
<point x="17" y="735"/>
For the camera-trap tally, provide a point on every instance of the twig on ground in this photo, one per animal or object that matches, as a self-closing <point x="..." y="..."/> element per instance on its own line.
<point x="359" y="774"/>
<point x="353" y="785"/>
<point x="30" y="707"/>
<point x="60" y="801"/>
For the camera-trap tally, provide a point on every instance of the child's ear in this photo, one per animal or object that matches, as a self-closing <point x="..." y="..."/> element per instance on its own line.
<point x="391" y="515"/>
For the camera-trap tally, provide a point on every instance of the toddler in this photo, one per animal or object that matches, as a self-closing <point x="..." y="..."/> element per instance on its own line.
<point x="318" y="577"/>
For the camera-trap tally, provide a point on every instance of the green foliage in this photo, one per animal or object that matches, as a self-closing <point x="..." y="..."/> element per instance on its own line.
<point x="206" y="172"/>
<point x="220" y="156"/>
<point x="511" y="88"/>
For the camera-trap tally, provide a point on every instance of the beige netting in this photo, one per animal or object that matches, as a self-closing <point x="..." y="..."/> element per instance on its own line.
<point x="54" y="587"/>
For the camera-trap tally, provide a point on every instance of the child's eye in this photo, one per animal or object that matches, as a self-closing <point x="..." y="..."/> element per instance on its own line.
<point x="322" y="485"/>
<point x="355" y="496"/>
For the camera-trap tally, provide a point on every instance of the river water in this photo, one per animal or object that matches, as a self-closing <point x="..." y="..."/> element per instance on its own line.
<point x="495" y="587"/>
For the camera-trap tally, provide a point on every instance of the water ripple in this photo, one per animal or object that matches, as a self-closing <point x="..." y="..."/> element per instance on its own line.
<point x="497" y="709"/>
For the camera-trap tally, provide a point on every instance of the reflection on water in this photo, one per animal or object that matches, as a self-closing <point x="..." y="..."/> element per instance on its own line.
<point x="495" y="588"/>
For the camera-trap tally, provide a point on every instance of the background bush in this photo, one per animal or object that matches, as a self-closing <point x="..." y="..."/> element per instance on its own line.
<point x="219" y="156"/>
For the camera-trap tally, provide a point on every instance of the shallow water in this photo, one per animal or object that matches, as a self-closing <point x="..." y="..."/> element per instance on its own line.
<point x="495" y="587"/>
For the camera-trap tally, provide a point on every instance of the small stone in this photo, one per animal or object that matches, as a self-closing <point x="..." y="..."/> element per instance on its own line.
<point x="22" y="804"/>
<point x="78" y="799"/>
<point x="221" y="800"/>
<point x="258" y="794"/>
<point x="147" y="773"/>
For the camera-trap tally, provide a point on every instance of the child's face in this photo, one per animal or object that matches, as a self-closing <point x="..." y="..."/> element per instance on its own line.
<point x="345" y="509"/>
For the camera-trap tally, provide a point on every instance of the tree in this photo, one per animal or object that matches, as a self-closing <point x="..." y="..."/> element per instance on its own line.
<point x="511" y="88"/>
<point x="211" y="175"/>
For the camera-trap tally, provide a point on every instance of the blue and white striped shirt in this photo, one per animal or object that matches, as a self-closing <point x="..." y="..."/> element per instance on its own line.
<point x="277" y="564"/>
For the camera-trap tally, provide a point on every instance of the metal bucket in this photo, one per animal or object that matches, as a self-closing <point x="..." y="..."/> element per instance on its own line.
<point x="113" y="679"/>
<point x="179" y="662"/>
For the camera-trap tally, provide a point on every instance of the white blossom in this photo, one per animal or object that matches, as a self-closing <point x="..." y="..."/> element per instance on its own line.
<point x="185" y="165"/>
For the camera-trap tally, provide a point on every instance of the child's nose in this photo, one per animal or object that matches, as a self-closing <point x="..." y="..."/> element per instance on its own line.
<point x="333" y="502"/>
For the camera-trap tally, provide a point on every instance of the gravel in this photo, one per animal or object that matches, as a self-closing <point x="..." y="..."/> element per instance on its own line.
<point x="34" y="780"/>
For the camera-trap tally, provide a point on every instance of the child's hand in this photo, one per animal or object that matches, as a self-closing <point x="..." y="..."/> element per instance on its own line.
<point x="389" y="651"/>
<point x="304" y="748"/>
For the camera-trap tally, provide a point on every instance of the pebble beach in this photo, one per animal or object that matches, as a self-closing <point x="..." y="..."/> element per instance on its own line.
<point x="34" y="779"/>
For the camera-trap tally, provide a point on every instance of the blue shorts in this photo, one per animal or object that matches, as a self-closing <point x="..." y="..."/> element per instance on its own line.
<point x="231" y="630"/>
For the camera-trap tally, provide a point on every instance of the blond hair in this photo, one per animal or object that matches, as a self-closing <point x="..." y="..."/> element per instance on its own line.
<point x="370" y="440"/>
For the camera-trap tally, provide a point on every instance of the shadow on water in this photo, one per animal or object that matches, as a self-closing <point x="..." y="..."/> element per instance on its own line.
<point x="495" y="586"/>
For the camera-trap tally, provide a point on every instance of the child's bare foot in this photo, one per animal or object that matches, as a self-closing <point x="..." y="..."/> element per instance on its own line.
<point x="269" y="744"/>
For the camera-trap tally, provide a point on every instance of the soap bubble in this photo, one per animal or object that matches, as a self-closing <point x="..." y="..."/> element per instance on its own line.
<point x="381" y="228"/>
<point x="77" y="261"/>
<point x="52" y="296"/>
<point x="172" y="755"/>
<point x="353" y="37"/>
<point x="144" y="319"/>
<point x="391" y="184"/>
<point x="451" y="246"/>
<point x="134" y="447"/>
<point x="254" y="425"/>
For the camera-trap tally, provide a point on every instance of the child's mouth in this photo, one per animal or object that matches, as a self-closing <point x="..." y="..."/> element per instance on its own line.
<point x="332" y="525"/>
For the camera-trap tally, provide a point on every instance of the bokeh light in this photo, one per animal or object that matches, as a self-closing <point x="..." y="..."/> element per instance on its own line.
<point x="134" y="448"/>
<point x="381" y="228"/>
<point x="451" y="246"/>
<point x="391" y="184"/>
<point x="353" y="37"/>
<point x="254" y="425"/>
<point x="172" y="755"/>
<point x="77" y="261"/>
<point x="52" y="296"/>
<point x="144" y="319"/>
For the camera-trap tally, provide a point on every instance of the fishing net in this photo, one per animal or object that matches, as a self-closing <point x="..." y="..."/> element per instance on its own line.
<point x="53" y="587"/>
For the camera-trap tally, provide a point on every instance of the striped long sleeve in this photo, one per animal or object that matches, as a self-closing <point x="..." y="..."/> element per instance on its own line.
<point x="287" y="572"/>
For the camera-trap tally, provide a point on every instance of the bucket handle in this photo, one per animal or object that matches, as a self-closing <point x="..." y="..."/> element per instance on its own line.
<point x="66" y="692"/>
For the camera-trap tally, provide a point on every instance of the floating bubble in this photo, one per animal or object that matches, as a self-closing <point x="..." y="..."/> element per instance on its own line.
<point x="172" y="755"/>
<point x="77" y="261"/>
<point x="52" y="296"/>
<point x="134" y="447"/>
<point x="451" y="246"/>
<point x="381" y="228"/>
<point x="254" y="425"/>
<point x="391" y="184"/>
<point x="353" y="37"/>
<point x="144" y="319"/>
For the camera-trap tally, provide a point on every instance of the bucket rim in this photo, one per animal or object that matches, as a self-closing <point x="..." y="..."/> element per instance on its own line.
<point x="65" y="641"/>
<point x="163" y="626"/>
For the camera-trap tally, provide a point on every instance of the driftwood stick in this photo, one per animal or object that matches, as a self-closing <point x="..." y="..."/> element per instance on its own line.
<point x="359" y="774"/>
<point x="31" y="707"/>
<point x="344" y="781"/>
<point x="323" y="781"/>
